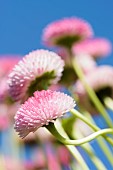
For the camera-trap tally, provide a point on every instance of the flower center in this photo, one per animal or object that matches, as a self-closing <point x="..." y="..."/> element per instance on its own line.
<point x="67" y="41"/>
<point x="41" y="83"/>
<point x="105" y="92"/>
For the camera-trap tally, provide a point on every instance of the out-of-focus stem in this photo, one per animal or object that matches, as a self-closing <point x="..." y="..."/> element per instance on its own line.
<point x="90" y="151"/>
<point x="108" y="103"/>
<point x="91" y="93"/>
<point x="108" y="153"/>
<point x="73" y="150"/>
<point x="52" y="129"/>
<point x="88" y="122"/>
<point x="103" y="145"/>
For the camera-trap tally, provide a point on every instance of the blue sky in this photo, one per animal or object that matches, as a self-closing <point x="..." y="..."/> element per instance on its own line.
<point x="22" y="21"/>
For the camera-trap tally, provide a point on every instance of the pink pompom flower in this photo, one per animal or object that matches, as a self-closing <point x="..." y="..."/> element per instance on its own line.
<point x="37" y="69"/>
<point x="39" y="110"/>
<point x="66" y="31"/>
<point x="97" y="47"/>
<point x="100" y="80"/>
<point x="3" y="89"/>
<point x="7" y="62"/>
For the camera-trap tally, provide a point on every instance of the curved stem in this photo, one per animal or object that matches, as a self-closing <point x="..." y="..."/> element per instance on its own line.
<point x="88" y="122"/>
<point x="92" y="94"/>
<point x="108" y="103"/>
<point x="78" y="142"/>
<point x="102" y="143"/>
<point x="73" y="150"/>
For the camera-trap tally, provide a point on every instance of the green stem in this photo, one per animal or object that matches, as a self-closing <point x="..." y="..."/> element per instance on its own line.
<point x="106" y="150"/>
<point x="102" y="143"/>
<point x="73" y="150"/>
<point x="108" y="103"/>
<point x="92" y="94"/>
<point x="90" y="151"/>
<point x="2" y="162"/>
<point x="88" y="122"/>
<point x="77" y="142"/>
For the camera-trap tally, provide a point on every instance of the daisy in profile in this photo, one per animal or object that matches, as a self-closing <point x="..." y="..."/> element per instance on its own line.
<point x="66" y="31"/>
<point x="7" y="62"/>
<point x="41" y="109"/>
<point x="101" y="82"/>
<point x="96" y="47"/>
<point x="36" y="71"/>
<point x="3" y="89"/>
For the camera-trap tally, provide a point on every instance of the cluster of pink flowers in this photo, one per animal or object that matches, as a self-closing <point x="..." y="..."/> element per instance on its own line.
<point x="42" y="68"/>
<point x="32" y="86"/>
<point x="30" y="70"/>
<point x="85" y="50"/>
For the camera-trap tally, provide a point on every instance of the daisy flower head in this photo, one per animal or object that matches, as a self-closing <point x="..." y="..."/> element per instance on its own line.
<point x="39" y="110"/>
<point x="7" y="62"/>
<point x="66" y="31"/>
<point x="96" y="47"/>
<point x="35" y="71"/>
<point x="86" y="62"/>
<point x="3" y="89"/>
<point x="100" y="80"/>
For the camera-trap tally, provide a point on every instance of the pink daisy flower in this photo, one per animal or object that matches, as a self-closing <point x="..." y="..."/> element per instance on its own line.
<point x="86" y="63"/>
<point x="7" y="62"/>
<point x="100" y="80"/>
<point x="3" y="89"/>
<point x="37" y="69"/>
<point x="66" y="31"/>
<point x="97" y="47"/>
<point x="38" y="111"/>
